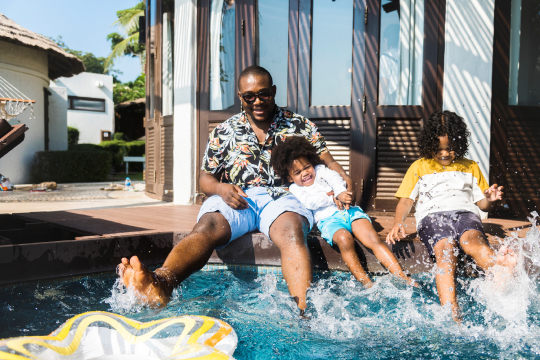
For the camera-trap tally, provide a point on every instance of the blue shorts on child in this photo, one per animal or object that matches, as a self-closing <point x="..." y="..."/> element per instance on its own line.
<point x="340" y="220"/>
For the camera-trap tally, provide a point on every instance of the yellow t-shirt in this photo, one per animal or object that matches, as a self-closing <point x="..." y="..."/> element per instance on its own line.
<point x="458" y="186"/>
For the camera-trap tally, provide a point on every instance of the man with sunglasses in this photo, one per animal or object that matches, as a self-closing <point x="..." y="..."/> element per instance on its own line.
<point x="245" y="195"/>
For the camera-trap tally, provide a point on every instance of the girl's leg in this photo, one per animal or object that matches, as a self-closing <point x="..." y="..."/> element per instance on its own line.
<point x="364" y="231"/>
<point x="446" y="274"/>
<point x="345" y="242"/>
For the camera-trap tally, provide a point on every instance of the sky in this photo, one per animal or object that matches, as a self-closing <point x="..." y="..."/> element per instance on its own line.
<point x="83" y="25"/>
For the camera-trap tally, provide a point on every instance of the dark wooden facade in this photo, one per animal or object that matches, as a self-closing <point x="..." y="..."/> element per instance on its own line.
<point x="375" y="144"/>
<point x="158" y="128"/>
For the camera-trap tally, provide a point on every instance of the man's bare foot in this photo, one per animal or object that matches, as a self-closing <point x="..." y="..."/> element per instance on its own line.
<point x="150" y="287"/>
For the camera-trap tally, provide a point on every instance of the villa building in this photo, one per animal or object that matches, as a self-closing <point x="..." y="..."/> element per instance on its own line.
<point x="29" y="62"/>
<point x="367" y="72"/>
<point x="90" y="106"/>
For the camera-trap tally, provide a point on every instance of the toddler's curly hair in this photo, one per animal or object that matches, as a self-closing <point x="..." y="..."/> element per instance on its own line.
<point x="442" y="123"/>
<point x="289" y="149"/>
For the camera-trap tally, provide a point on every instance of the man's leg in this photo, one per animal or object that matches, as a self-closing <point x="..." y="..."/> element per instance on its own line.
<point x="188" y="256"/>
<point x="445" y="277"/>
<point x="289" y="233"/>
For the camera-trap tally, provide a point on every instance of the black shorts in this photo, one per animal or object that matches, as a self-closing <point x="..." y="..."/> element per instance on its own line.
<point x="441" y="225"/>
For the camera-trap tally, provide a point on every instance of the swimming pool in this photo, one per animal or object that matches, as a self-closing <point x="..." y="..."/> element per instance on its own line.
<point x="347" y="321"/>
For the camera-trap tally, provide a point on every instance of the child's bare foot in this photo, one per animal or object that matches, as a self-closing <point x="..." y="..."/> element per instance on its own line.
<point x="506" y="257"/>
<point x="501" y="272"/>
<point x="367" y="283"/>
<point x="411" y="282"/>
<point x="147" y="285"/>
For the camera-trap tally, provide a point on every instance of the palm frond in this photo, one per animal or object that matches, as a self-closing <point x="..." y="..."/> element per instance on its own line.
<point x="120" y="49"/>
<point x="128" y="19"/>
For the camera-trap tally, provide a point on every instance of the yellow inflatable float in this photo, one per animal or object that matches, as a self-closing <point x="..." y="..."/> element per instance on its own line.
<point x="105" y="336"/>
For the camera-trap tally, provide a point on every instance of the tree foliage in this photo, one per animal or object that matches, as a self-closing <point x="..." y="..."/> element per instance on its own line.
<point x="92" y="63"/>
<point x="130" y="90"/>
<point x="127" y="44"/>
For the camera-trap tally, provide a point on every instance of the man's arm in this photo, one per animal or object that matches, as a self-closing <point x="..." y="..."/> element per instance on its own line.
<point x="233" y="195"/>
<point x="332" y="164"/>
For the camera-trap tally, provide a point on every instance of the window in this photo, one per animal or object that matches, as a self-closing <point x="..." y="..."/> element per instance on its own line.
<point x="87" y="104"/>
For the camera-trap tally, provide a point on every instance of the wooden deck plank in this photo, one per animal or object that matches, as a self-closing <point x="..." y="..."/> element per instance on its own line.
<point x="182" y="218"/>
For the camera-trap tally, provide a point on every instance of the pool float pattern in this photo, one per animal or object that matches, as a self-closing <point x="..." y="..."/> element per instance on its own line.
<point x="101" y="335"/>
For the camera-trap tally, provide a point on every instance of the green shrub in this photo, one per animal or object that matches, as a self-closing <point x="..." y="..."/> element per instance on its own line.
<point x="119" y="149"/>
<point x="73" y="135"/>
<point x="118" y="136"/>
<point x="71" y="166"/>
<point x="85" y="147"/>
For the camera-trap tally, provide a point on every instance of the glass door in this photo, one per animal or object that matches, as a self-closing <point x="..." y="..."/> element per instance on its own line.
<point x="152" y="152"/>
<point x="225" y="48"/>
<point x="401" y="90"/>
<point x="160" y="98"/>
<point x="515" y="122"/>
<point x="331" y="77"/>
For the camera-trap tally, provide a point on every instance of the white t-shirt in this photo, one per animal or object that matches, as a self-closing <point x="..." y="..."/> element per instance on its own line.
<point x="458" y="186"/>
<point x="314" y="197"/>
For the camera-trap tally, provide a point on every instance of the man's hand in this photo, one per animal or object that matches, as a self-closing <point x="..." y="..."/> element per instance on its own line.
<point x="494" y="193"/>
<point x="394" y="233"/>
<point x="233" y="195"/>
<point x="332" y="164"/>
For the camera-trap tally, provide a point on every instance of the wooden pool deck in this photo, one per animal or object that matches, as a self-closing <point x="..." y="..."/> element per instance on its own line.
<point x="182" y="218"/>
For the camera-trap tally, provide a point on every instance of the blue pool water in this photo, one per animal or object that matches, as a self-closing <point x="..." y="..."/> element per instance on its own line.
<point x="347" y="321"/>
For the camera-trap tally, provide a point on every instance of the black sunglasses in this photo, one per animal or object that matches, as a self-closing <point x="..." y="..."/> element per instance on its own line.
<point x="264" y="96"/>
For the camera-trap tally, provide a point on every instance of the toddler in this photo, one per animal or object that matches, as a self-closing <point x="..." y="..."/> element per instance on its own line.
<point x="324" y="192"/>
<point x="450" y="190"/>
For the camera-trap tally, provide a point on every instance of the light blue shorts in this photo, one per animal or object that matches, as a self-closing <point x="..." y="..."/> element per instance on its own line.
<point x="340" y="220"/>
<point x="262" y="211"/>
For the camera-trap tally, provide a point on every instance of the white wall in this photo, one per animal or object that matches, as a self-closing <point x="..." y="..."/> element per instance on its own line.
<point x="468" y="62"/>
<point x="185" y="86"/>
<point x="58" y="139"/>
<point x="27" y="70"/>
<point x="90" y="123"/>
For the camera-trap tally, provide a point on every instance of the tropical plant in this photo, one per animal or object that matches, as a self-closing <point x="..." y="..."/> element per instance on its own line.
<point x="128" y="44"/>
<point x="130" y="90"/>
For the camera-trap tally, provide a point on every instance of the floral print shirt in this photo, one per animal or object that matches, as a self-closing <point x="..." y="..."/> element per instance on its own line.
<point x="233" y="148"/>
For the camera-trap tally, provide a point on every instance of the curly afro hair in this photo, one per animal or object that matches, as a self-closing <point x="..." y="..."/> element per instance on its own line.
<point x="442" y="123"/>
<point x="289" y="149"/>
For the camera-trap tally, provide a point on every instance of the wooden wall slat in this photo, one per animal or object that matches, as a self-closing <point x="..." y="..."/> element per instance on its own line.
<point x="150" y="156"/>
<point x="167" y="151"/>
<point x="522" y="166"/>
<point x="337" y="133"/>
<point x="397" y="149"/>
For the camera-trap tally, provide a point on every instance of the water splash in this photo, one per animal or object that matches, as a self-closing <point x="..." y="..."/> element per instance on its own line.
<point x="124" y="300"/>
